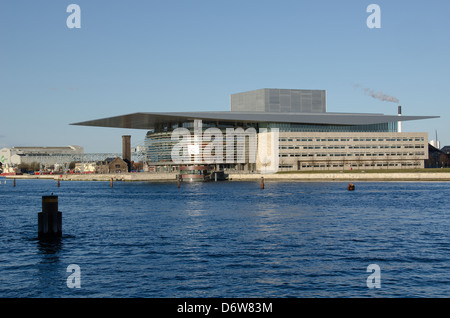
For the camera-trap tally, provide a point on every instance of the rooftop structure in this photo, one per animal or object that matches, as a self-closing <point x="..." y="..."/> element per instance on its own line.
<point x="273" y="100"/>
<point x="167" y="120"/>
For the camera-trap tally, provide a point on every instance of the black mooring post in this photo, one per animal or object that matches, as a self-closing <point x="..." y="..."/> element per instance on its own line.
<point x="50" y="219"/>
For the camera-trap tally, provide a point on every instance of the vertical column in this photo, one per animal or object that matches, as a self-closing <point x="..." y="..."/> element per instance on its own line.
<point x="50" y="219"/>
<point x="126" y="150"/>
<point x="198" y="141"/>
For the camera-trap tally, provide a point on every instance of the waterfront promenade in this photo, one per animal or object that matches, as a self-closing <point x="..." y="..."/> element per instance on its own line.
<point x="407" y="175"/>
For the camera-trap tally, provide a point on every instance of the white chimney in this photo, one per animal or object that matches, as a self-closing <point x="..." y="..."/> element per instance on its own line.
<point x="399" y="122"/>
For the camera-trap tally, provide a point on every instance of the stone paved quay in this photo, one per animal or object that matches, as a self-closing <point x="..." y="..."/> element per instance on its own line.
<point x="361" y="176"/>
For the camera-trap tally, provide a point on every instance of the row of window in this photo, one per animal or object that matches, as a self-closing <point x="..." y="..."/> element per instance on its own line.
<point x="353" y="139"/>
<point x="381" y="164"/>
<point x="381" y="154"/>
<point x="291" y="127"/>
<point x="419" y="146"/>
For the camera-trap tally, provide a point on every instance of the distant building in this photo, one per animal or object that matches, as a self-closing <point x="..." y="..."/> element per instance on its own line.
<point x="112" y="165"/>
<point x="446" y="150"/>
<point x="437" y="158"/>
<point x="435" y="143"/>
<point x="13" y="157"/>
<point x="85" y="167"/>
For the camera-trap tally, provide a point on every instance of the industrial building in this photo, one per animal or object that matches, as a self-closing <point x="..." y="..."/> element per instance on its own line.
<point x="45" y="156"/>
<point x="310" y="138"/>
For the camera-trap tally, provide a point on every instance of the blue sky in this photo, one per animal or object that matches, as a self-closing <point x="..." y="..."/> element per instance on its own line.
<point x="190" y="55"/>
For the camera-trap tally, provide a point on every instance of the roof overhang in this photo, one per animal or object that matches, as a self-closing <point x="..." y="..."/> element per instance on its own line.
<point x="151" y="120"/>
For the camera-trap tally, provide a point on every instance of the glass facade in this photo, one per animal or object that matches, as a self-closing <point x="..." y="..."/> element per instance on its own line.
<point x="159" y="144"/>
<point x="288" y="127"/>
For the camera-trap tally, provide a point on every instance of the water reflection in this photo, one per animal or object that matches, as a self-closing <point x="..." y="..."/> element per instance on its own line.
<point x="49" y="248"/>
<point x="50" y="272"/>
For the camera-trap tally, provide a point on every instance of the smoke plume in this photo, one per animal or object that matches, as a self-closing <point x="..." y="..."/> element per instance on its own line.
<point x="378" y="95"/>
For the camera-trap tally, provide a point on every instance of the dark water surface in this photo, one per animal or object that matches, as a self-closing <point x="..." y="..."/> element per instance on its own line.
<point x="228" y="239"/>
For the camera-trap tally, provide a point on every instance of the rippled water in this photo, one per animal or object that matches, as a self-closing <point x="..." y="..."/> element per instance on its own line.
<point x="228" y="239"/>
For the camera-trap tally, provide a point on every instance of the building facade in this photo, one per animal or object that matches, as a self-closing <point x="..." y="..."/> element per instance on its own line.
<point x="310" y="138"/>
<point x="112" y="165"/>
<point x="85" y="167"/>
<point x="350" y="150"/>
<point x="280" y="101"/>
<point x="45" y="156"/>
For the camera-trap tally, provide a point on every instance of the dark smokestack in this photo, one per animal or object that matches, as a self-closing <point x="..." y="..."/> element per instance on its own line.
<point x="399" y="110"/>
<point x="399" y="126"/>
<point x="126" y="150"/>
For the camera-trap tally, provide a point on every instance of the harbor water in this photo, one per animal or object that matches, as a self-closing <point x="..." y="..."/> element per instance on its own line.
<point x="227" y="239"/>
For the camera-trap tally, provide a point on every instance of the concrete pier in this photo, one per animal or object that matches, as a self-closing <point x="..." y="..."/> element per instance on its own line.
<point x="301" y="176"/>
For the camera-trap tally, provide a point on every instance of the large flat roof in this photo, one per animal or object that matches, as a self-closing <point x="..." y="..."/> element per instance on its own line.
<point x="151" y="120"/>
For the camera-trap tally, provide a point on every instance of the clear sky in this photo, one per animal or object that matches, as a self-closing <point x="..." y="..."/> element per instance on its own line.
<point x="190" y="55"/>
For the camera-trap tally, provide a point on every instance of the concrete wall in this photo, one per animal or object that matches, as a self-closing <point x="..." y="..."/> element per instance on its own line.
<point x="169" y="177"/>
<point x="420" y="176"/>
